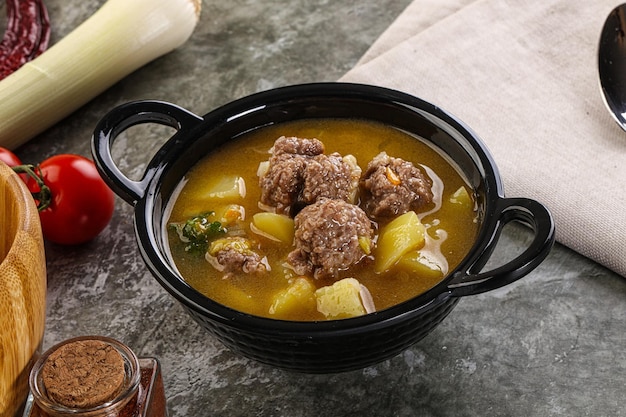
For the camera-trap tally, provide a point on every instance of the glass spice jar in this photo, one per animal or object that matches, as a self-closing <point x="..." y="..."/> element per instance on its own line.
<point x="95" y="376"/>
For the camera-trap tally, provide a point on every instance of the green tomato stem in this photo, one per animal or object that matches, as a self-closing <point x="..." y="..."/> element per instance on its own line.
<point x="43" y="197"/>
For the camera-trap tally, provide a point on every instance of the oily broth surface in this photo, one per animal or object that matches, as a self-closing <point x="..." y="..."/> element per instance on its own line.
<point x="451" y="230"/>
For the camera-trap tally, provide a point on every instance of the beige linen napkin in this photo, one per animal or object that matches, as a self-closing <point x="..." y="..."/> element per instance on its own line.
<point x="523" y="75"/>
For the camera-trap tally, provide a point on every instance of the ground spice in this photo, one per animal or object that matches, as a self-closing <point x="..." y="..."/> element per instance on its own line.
<point x="151" y="398"/>
<point x="84" y="374"/>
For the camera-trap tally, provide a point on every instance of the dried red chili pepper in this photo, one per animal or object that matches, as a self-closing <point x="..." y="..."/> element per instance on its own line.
<point x="26" y="36"/>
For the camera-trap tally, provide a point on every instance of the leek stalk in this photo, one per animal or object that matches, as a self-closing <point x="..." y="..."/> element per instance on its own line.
<point x="119" y="38"/>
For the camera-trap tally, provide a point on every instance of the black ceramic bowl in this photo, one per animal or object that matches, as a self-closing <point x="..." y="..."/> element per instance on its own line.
<point x="331" y="346"/>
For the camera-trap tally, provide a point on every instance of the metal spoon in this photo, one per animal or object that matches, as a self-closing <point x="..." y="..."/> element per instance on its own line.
<point x="612" y="63"/>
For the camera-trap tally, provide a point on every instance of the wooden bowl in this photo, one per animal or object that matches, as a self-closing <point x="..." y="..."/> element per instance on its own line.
<point x="22" y="290"/>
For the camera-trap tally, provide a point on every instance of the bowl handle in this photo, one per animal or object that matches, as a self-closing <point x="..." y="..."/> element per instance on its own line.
<point x="538" y="218"/>
<point x="122" y="118"/>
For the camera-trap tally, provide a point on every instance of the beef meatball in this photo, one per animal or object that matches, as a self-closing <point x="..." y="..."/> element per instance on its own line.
<point x="297" y="146"/>
<point x="234" y="254"/>
<point x="330" y="176"/>
<point x="282" y="182"/>
<point x="330" y="236"/>
<point x="281" y="178"/>
<point x="393" y="186"/>
<point x="299" y="173"/>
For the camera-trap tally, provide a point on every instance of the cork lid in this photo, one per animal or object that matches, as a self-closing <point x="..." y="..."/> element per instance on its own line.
<point x="84" y="373"/>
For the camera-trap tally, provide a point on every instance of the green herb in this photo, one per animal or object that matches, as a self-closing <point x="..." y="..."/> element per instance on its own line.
<point x="198" y="232"/>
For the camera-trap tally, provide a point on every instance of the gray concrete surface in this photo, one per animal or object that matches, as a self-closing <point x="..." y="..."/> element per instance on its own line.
<point x="552" y="344"/>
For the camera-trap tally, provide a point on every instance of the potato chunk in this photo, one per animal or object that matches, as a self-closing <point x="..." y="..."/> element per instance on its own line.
<point x="345" y="298"/>
<point x="275" y="226"/>
<point x="425" y="265"/>
<point x="462" y="198"/>
<point x="226" y="188"/>
<point x="298" y="296"/>
<point x="403" y="234"/>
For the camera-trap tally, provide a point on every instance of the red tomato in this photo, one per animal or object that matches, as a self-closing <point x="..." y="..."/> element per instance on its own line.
<point x="9" y="157"/>
<point x="81" y="205"/>
<point x="12" y="160"/>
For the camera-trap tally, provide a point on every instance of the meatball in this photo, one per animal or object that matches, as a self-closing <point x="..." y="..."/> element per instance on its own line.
<point x="297" y="146"/>
<point x="233" y="254"/>
<point x="282" y="183"/>
<point x="393" y="186"/>
<point x="330" y="236"/>
<point x="299" y="173"/>
<point x="330" y="176"/>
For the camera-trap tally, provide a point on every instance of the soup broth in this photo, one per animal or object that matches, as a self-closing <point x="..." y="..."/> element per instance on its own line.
<point x="226" y="182"/>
